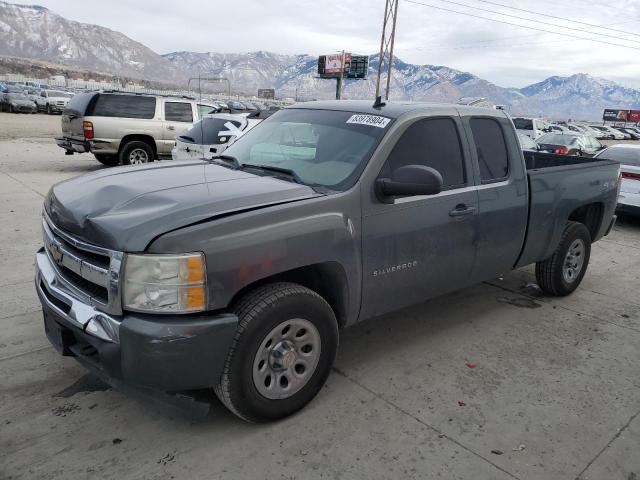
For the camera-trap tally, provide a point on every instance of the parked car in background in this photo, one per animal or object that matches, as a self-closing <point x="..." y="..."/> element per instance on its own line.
<point x="611" y="133"/>
<point x="15" y="100"/>
<point x="562" y="129"/>
<point x="629" y="133"/>
<point x="527" y="143"/>
<point x="212" y="135"/>
<point x="569" y="144"/>
<point x="629" y="158"/>
<point x="532" y="127"/>
<point x="126" y="128"/>
<point x="53" y="101"/>
<point x="33" y="94"/>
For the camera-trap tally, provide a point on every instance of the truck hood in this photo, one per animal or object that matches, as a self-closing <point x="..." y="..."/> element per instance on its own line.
<point x="126" y="208"/>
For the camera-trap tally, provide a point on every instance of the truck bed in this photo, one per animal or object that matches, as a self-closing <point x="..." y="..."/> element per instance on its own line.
<point x="559" y="187"/>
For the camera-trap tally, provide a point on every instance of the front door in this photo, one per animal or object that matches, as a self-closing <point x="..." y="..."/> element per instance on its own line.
<point x="415" y="248"/>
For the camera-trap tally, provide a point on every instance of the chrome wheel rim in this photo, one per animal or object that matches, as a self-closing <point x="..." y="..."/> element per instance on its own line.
<point x="286" y="359"/>
<point x="138" y="156"/>
<point x="573" y="261"/>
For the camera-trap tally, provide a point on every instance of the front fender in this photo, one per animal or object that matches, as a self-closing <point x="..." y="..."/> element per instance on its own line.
<point x="247" y="247"/>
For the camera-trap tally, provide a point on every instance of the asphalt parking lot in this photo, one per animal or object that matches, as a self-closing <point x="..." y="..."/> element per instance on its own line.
<point x="491" y="382"/>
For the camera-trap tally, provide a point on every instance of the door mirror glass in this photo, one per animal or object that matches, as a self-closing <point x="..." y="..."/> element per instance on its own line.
<point x="410" y="180"/>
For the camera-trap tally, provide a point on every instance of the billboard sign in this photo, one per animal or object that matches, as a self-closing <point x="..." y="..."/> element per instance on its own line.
<point x="331" y="66"/>
<point x="614" y="115"/>
<point x="268" y="93"/>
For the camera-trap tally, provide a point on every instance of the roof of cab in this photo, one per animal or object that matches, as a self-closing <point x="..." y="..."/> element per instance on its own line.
<point x="394" y="109"/>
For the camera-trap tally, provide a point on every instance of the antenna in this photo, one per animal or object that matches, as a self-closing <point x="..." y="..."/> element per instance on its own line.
<point x="386" y="44"/>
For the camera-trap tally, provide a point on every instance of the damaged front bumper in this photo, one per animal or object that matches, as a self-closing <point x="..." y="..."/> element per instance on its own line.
<point x="168" y="353"/>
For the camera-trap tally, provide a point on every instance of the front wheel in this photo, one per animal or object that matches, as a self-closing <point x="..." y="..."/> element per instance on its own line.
<point x="282" y="353"/>
<point x="49" y="110"/>
<point x="560" y="274"/>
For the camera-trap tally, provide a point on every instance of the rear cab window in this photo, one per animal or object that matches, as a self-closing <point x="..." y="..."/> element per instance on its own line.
<point x="491" y="149"/>
<point x="178" y="112"/>
<point x="523" y="123"/>
<point x="123" y="106"/>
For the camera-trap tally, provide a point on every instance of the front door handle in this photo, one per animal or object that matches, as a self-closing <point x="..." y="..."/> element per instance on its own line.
<point x="462" y="210"/>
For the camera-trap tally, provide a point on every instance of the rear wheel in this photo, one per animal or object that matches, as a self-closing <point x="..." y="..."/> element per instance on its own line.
<point x="282" y="352"/>
<point x="136" y="153"/>
<point x="560" y="274"/>
<point x="108" y="160"/>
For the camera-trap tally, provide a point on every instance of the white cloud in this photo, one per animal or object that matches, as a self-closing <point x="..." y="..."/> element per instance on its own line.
<point x="504" y="54"/>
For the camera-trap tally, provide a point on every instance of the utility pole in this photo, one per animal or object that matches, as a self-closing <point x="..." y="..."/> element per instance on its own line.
<point x="340" y="79"/>
<point x="386" y="44"/>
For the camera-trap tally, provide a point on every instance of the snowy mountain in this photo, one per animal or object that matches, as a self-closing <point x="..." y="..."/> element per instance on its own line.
<point x="37" y="33"/>
<point x="581" y="96"/>
<point x="30" y="31"/>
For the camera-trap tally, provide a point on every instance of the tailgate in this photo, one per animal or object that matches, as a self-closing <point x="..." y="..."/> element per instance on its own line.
<point x="71" y="125"/>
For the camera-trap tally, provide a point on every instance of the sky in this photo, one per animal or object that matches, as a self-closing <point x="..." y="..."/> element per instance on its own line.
<point x="508" y="55"/>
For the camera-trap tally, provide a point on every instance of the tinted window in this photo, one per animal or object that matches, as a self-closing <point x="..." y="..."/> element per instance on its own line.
<point x="208" y="131"/>
<point x="178" y="112"/>
<point x="491" y="148"/>
<point x="434" y="143"/>
<point x="626" y="156"/>
<point x="124" y="106"/>
<point x="523" y="123"/>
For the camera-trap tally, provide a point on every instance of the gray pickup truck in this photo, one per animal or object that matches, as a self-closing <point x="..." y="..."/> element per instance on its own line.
<point x="238" y="273"/>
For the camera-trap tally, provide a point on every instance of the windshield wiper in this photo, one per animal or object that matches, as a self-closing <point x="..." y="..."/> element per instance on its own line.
<point x="227" y="161"/>
<point x="270" y="168"/>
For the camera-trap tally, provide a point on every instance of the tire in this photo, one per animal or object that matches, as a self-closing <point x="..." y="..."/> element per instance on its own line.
<point x="562" y="273"/>
<point x="49" y="110"/>
<point x="11" y="109"/>
<point x="108" y="160"/>
<point x="265" y="316"/>
<point x="136" y="153"/>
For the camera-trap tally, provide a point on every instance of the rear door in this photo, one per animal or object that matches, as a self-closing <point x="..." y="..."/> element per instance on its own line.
<point x="417" y="247"/>
<point x="177" y="118"/>
<point x="502" y="194"/>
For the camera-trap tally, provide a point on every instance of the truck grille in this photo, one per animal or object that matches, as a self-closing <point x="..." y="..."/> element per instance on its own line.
<point x="92" y="272"/>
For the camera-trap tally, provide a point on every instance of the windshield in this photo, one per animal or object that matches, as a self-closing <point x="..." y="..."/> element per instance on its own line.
<point x="322" y="147"/>
<point x="527" y="142"/>
<point x="523" y="123"/>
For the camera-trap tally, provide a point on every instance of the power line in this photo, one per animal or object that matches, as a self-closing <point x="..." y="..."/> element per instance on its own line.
<point x="521" y="26"/>
<point x="557" y="18"/>
<point x="532" y="20"/>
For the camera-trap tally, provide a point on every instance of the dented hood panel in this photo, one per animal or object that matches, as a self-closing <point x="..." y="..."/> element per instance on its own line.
<point x="126" y="208"/>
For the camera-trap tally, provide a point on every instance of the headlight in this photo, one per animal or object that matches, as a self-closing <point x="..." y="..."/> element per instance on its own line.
<point x="165" y="283"/>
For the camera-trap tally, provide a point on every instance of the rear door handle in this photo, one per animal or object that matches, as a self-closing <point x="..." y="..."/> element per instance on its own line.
<point x="462" y="210"/>
<point x="171" y="127"/>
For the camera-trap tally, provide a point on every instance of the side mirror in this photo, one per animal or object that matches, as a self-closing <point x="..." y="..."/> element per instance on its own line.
<point x="409" y="181"/>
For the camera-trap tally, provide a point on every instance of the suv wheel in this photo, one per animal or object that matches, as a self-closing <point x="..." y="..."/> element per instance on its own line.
<point x="560" y="274"/>
<point x="108" y="160"/>
<point x="49" y="110"/>
<point x="282" y="352"/>
<point x="136" y="153"/>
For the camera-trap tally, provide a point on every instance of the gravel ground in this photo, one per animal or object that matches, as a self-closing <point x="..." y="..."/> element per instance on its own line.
<point x="554" y="392"/>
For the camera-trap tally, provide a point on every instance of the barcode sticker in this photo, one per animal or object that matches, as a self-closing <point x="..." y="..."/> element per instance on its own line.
<point x="371" y="120"/>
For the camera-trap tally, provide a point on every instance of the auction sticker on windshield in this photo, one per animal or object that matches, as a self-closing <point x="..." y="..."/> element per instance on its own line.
<point x="372" y="120"/>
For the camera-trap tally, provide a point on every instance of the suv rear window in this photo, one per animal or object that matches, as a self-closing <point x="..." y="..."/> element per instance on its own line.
<point x="124" y="106"/>
<point x="178" y="112"/>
